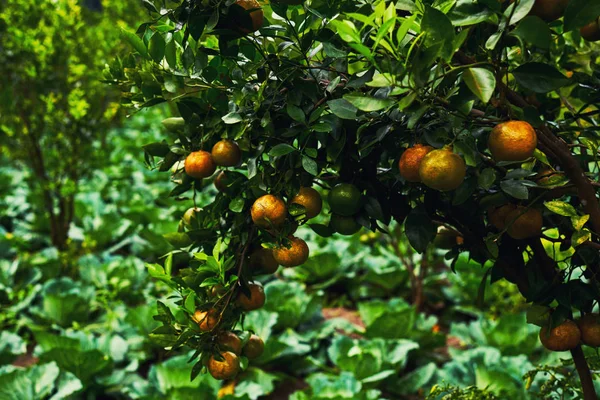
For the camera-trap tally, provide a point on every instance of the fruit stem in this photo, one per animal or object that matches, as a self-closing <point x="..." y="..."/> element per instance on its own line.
<point x="585" y="376"/>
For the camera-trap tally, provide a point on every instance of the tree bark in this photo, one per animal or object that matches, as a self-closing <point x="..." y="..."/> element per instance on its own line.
<point x="585" y="375"/>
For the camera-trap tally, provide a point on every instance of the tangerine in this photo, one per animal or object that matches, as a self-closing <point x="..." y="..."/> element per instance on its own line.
<point x="442" y="170"/>
<point x="190" y="215"/>
<point x="563" y="337"/>
<point x="254" y="348"/>
<point x="229" y="341"/>
<point x="410" y="161"/>
<point x="512" y="141"/>
<point x="310" y="199"/>
<point x="222" y="182"/>
<point x="497" y="216"/>
<point x="262" y="261"/>
<point x="523" y="223"/>
<point x="248" y="17"/>
<point x="226" y="153"/>
<point x="344" y="199"/>
<point x="589" y="325"/>
<point x="206" y="320"/>
<point x="199" y="164"/>
<point x="591" y="31"/>
<point x="295" y="255"/>
<point x="549" y="10"/>
<point x="256" y="299"/>
<point x="344" y="225"/>
<point x="267" y="210"/>
<point x="226" y="368"/>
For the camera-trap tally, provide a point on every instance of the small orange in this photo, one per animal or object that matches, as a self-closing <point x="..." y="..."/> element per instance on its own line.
<point x="221" y="182"/>
<point x="565" y="336"/>
<point x="267" y="210"/>
<point x="199" y="165"/>
<point x="226" y="368"/>
<point x="591" y="32"/>
<point x="442" y="170"/>
<point x="262" y="262"/>
<point x="216" y="291"/>
<point x="229" y="341"/>
<point x="410" y="161"/>
<point x="250" y="18"/>
<point x="190" y="215"/>
<point x="206" y="320"/>
<point x="295" y="255"/>
<point x="254" y="348"/>
<point x="497" y="216"/>
<point x="524" y="223"/>
<point x="256" y="299"/>
<point x="310" y="199"/>
<point x="589" y="325"/>
<point x="512" y="141"/>
<point x="446" y="238"/>
<point x="344" y="225"/>
<point x="226" y="153"/>
<point x="549" y="10"/>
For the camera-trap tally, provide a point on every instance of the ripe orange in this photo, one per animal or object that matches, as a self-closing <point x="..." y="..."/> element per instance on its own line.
<point x="549" y="10"/>
<point x="250" y="17"/>
<point x="267" y="210"/>
<point x="221" y="182"/>
<point x="206" y="320"/>
<point x="226" y="368"/>
<point x="344" y="199"/>
<point x="589" y="325"/>
<point x="216" y="291"/>
<point x="512" y="141"/>
<point x="190" y="215"/>
<point x="310" y="199"/>
<point x="226" y="153"/>
<point x="565" y="336"/>
<point x="442" y="170"/>
<point x="256" y="299"/>
<point x="591" y="32"/>
<point x="262" y="262"/>
<point x="229" y="341"/>
<point x="446" y="238"/>
<point x="293" y="256"/>
<point x="410" y="161"/>
<point x="497" y="216"/>
<point x="254" y="348"/>
<point x="199" y="164"/>
<point x="344" y="225"/>
<point x="524" y="223"/>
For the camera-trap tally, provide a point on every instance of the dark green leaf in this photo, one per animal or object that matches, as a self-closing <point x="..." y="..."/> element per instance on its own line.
<point x="539" y="77"/>
<point x="342" y="108"/>
<point x="581" y="12"/>
<point x="281" y="150"/>
<point x="481" y="81"/>
<point x="419" y="228"/>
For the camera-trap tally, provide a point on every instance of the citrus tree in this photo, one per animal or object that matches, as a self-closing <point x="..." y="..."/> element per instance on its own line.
<point x="54" y="110"/>
<point x="471" y="123"/>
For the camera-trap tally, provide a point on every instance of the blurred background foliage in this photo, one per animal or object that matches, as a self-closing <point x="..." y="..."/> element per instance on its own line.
<point x="81" y="214"/>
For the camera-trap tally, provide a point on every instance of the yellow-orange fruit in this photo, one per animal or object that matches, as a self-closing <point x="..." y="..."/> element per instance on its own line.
<point x="497" y="216"/>
<point x="442" y="170"/>
<point x="190" y="214"/>
<point x="262" y="262"/>
<point x="512" y="141"/>
<point x="226" y="153"/>
<point x="565" y="336"/>
<point x="229" y="341"/>
<point x="310" y="199"/>
<point x="524" y="223"/>
<point x="267" y="210"/>
<point x="254" y="348"/>
<point x="549" y="10"/>
<point x="589" y="325"/>
<point x="256" y="16"/>
<point x="199" y="165"/>
<point x="591" y="31"/>
<point x="256" y="299"/>
<point x="206" y="320"/>
<point x="221" y="182"/>
<point x="293" y="256"/>
<point x="410" y="161"/>
<point x="226" y="368"/>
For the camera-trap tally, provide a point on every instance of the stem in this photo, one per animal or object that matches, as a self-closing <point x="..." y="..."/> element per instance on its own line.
<point x="585" y="376"/>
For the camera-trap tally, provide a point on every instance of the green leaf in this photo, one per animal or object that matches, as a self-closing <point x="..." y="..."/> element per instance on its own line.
<point x="535" y="31"/>
<point x="347" y="31"/>
<point x="232" y="118"/>
<point x="281" y="150"/>
<point x="237" y="205"/>
<point x="580" y="12"/>
<point x="439" y="31"/>
<point x="296" y="113"/>
<point x="368" y="104"/>
<point x="468" y="12"/>
<point x="135" y="41"/>
<point x="419" y="228"/>
<point x="561" y="208"/>
<point x="487" y="178"/>
<point x="539" y="77"/>
<point x="580" y="237"/>
<point x="156" y="47"/>
<point x="342" y="108"/>
<point x="515" y="189"/>
<point x="579" y="222"/>
<point x="481" y="81"/>
<point x="310" y="165"/>
<point x="321" y="230"/>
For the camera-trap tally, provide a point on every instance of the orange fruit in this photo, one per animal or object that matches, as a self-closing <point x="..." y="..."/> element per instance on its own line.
<point x="206" y="320"/>
<point x="310" y="199"/>
<point x="565" y="336"/>
<point x="227" y="389"/>
<point x="229" y="341"/>
<point x="589" y="325"/>
<point x="256" y="299"/>
<point x="262" y="262"/>
<point x="267" y="210"/>
<point x="410" y="161"/>
<point x="221" y="182"/>
<point x="226" y="368"/>
<point x="523" y="223"/>
<point x="446" y="238"/>
<point x="512" y="141"/>
<point x="190" y="215"/>
<point x="295" y="255"/>
<point x="549" y="10"/>
<point x="216" y="291"/>
<point x="442" y="170"/>
<point x="591" y="31"/>
<point x="199" y="164"/>
<point x="345" y="199"/>
<point x="344" y="225"/>
<point x="254" y="348"/>
<point x="249" y="16"/>
<point x="497" y="216"/>
<point x="226" y="153"/>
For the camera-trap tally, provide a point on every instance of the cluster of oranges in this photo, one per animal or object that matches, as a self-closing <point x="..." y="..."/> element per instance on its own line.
<point x="249" y="17"/>
<point x="551" y="10"/>
<point x="569" y="334"/>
